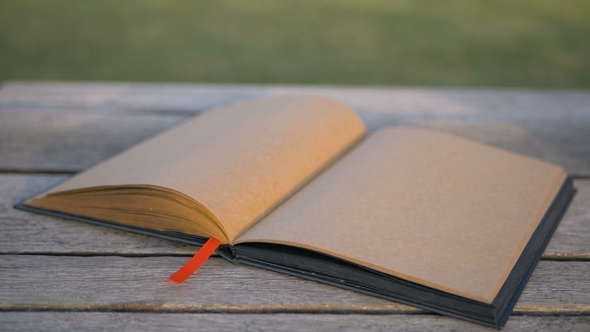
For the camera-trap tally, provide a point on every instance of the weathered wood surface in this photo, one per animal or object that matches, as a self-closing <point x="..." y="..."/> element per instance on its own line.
<point x="68" y="141"/>
<point x="25" y="232"/>
<point x="36" y="282"/>
<point x="117" y="321"/>
<point x="572" y="237"/>
<point x="70" y="275"/>
<point x="190" y="98"/>
<point x="69" y="127"/>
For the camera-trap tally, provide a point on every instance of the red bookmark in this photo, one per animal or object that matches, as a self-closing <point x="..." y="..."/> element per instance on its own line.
<point x="195" y="263"/>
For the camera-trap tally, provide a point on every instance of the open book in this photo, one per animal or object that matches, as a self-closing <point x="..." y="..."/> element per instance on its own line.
<point x="294" y="185"/>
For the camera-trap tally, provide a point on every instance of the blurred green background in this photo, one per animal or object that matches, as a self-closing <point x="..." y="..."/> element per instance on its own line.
<point x="504" y="43"/>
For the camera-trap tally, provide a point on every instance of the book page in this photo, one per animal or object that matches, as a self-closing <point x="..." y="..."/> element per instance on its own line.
<point x="237" y="161"/>
<point x="428" y="207"/>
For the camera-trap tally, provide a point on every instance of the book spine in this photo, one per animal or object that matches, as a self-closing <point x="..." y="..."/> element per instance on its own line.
<point x="228" y="252"/>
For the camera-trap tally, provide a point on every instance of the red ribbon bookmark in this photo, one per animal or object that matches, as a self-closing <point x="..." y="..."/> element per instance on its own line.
<point x="195" y="263"/>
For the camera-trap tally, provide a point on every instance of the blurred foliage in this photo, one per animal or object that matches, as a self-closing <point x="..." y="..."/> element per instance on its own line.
<point x="524" y="43"/>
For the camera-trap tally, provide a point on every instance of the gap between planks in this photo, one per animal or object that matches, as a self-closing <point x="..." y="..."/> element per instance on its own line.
<point x="36" y="171"/>
<point x="30" y="171"/>
<point x="142" y="322"/>
<point x="393" y="309"/>
<point x="545" y="257"/>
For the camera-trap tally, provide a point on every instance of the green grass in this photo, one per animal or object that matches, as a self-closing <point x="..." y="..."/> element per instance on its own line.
<point x="503" y="43"/>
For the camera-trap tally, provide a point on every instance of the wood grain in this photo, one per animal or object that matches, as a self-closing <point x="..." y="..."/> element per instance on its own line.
<point x="406" y="102"/>
<point x="95" y="121"/>
<point x="123" y="321"/>
<point x="155" y="98"/>
<point x="37" y="282"/>
<point x="68" y="141"/>
<point x="25" y="232"/>
<point x="572" y="237"/>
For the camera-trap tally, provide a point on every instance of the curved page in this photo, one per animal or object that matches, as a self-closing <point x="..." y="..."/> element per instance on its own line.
<point x="237" y="161"/>
<point x="428" y="207"/>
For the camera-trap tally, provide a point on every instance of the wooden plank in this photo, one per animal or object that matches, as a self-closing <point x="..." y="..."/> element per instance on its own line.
<point x="68" y="141"/>
<point x="25" y="232"/>
<point x="553" y="125"/>
<point x="187" y="98"/>
<point x="37" y="282"/>
<point x="560" y="142"/>
<point x="190" y="98"/>
<point x="572" y="238"/>
<point x="123" y="321"/>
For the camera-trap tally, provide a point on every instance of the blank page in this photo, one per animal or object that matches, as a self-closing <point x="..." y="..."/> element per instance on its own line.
<point x="428" y="207"/>
<point x="237" y="161"/>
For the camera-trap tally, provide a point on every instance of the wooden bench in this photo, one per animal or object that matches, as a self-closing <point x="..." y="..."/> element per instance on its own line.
<point x="58" y="274"/>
